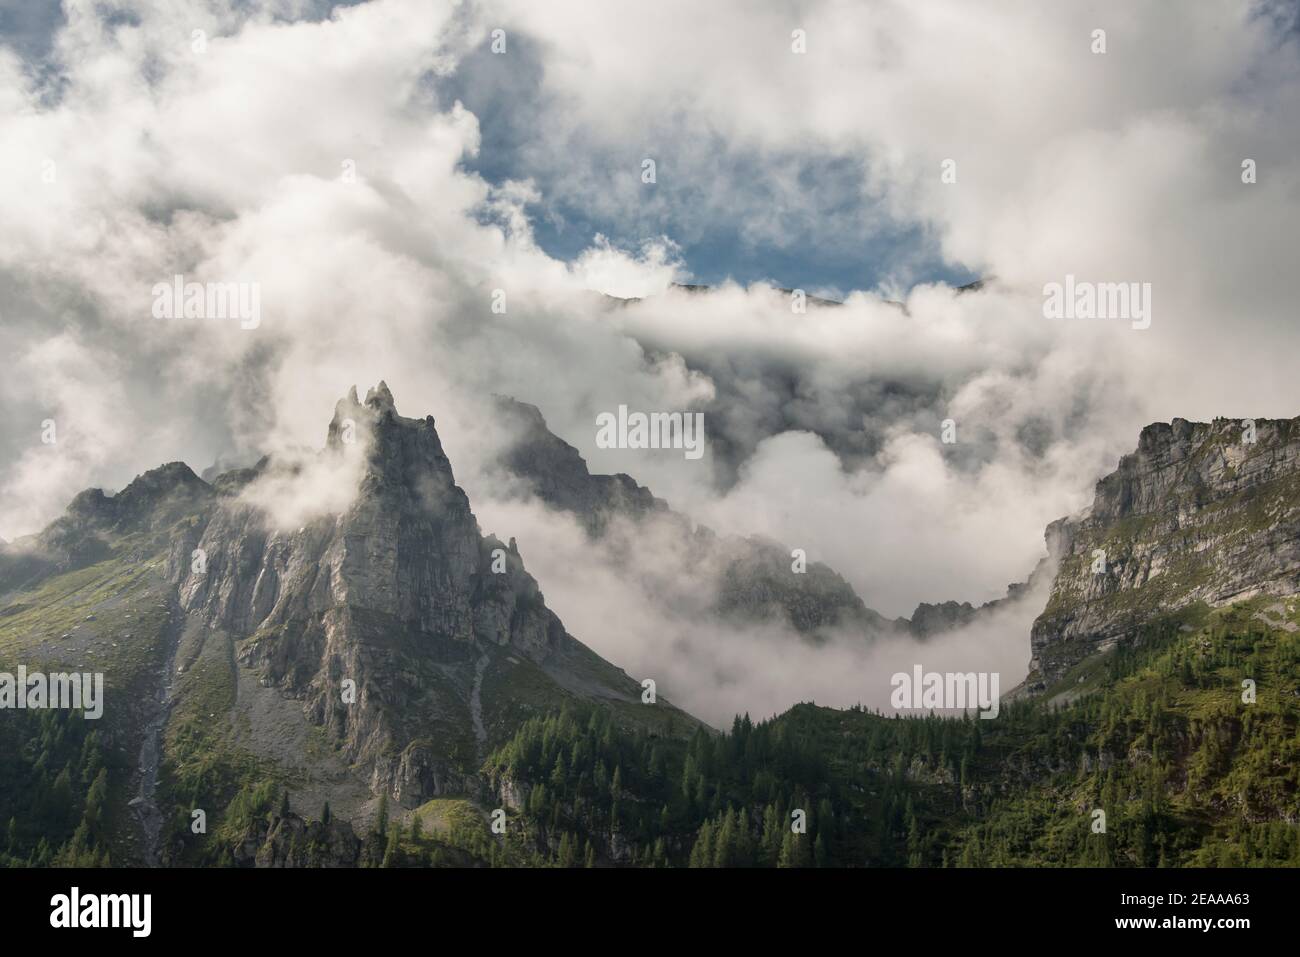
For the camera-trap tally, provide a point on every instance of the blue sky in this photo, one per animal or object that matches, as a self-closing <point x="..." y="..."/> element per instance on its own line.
<point x="837" y="239"/>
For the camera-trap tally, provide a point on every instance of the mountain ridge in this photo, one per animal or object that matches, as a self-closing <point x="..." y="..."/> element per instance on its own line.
<point x="755" y="583"/>
<point x="393" y="637"/>
<point x="229" y="639"/>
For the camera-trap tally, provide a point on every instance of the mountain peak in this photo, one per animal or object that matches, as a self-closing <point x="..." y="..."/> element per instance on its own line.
<point x="400" y="594"/>
<point x="146" y="493"/>
<point x="380" y="398"/>
<point x="559" y="476"/>
<point x="351" y="416"/>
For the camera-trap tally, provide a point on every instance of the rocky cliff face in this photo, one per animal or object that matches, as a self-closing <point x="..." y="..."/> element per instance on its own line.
<point x="558" y="475"/>
<point x="291" y="841"/>
<point x="753" y="577"/>
<point x="1201" y="512"/>
<point x="381" y="645"/>
<point x="386" y="620"/>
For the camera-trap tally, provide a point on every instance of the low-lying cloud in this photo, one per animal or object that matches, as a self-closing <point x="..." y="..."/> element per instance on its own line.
<point x="322" y="160"/>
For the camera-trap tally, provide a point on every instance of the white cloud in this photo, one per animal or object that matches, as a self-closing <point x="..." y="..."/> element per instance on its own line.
<point x="230" y="164"/>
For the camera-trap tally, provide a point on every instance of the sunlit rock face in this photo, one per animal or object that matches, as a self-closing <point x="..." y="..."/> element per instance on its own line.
<point x="1201" y="512"/>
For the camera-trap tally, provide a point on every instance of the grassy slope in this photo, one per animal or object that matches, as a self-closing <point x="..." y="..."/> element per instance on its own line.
<point x="109" y="617"/>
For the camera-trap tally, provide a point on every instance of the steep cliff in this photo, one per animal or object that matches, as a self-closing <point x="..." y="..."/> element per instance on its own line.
<point x="376" y="643"/>
<point x="1200" y="513"/>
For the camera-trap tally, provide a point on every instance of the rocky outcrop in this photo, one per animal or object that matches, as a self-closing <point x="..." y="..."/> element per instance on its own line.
<point x="757" y="585"/>
<point x="145" y="511"/>
<point x="930" y="619"/>
<point x="287" y="840"/>
<point x="937" y="619"/>
<point x="753" y="577"/>
<point x="351" y="593"/>
<point x="374" y="618"/>
<point x="558" y="475"/>
<point x="1201" y="512"/>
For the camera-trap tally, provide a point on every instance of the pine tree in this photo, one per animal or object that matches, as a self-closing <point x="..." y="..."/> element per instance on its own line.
<point x="568" y="857"/>
<point x="771" y="841"/>
<point x="702" y="852"/>
<point x="724" y="848"/>
<point x="559" y="773"/>
<point x="660" y="853"/>
<point x="788" y="854"/>
<point x="744" y="841"/>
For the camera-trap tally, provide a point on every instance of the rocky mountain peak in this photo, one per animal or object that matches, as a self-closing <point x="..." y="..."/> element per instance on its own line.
<point x="401" y="453"/>
<point x="559" y="476"/>
<point x="752" y="576"/>
<point x="399" y="594"/>
<point x="380" y="398"/>
<point x="144" y="494"/>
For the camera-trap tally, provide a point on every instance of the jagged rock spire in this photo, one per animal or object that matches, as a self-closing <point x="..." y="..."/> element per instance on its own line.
<point x="380" y="398"/>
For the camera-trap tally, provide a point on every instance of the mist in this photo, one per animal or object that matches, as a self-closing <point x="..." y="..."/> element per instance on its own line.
<point x="382" y="250"/>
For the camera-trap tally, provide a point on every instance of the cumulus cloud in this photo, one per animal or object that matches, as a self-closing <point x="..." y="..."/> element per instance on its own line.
<point x="330" y="159"/>
<point x="74" y="433"/>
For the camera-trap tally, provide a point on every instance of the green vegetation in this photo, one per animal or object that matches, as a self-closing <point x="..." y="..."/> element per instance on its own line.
<point x="715" y="800"/>
<point x="1154" y="733"/>
<point x="1158" y="738"/>
<point x="55" y="794"/>
<point x="108" y="617"/>
<point x="110" y="611"/>
<point x="447" y="832"/>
